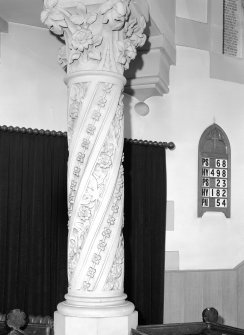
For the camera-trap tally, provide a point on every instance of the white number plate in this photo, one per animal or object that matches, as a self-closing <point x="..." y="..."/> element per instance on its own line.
<point x="221" y="183"/>
<point x="221" y="163"/>
<point x="219" y="173"/>
<point x="214" y="192"/>
<point x="222" y="203"/>
<point x="216" y="173"/>
<point x="217" y="193"/>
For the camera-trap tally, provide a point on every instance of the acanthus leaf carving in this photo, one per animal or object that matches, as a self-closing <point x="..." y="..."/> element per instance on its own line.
<point x="115" y="13"/>
<point x="62" y="57"/>
<point x="90" y="36"/>
<point x="53" y="17"/>
<point x="134" y="38"/>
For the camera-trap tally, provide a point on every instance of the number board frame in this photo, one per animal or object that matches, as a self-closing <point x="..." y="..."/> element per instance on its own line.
<point x="214" y="172"/>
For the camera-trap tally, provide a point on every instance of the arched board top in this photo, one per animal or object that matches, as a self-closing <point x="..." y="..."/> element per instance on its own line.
<point x="214" y="141"/>
<point x="214" y="171"/>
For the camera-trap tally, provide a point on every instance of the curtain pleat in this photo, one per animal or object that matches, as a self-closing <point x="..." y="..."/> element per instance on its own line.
<point x="144" y="230"/>
<point x="33" y="222"/>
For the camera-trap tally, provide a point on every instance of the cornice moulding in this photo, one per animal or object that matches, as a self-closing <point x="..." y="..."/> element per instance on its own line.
<point x="146" y="87"/>
<point x="148" y="75"/>
<point x="162" y="42"/>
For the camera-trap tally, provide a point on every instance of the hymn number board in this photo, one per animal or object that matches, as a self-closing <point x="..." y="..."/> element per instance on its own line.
<point x="214" y="173"/>
<point x="214" y="182"/>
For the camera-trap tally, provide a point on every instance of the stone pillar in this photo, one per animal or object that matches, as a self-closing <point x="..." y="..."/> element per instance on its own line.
<point x="100" y="41"/>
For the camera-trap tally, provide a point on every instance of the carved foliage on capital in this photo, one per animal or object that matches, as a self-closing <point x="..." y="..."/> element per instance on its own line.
<point x="104" y="38"/>
<point x="133" y="38"/>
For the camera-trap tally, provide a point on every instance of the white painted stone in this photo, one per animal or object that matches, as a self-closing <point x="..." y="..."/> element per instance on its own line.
<point x="110" y="306"/>
<point x="100" y="42"/>
<point x="196" y="10"/>
<point x="67" y="325"/>
<point x="151" y="79"/>
<point x="142" y="108"/>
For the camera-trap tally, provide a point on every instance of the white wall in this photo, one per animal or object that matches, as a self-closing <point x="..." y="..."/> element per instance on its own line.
<point x="196" y="10"/>
<point x="32" y="92"/>
<point x="181" y="116"/>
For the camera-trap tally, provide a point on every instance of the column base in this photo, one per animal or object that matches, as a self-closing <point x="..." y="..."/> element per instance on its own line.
<point x="95" y="306"/>
<point x="72" y="325"/>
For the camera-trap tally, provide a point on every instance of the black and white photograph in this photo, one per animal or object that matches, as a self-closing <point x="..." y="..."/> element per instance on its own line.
<point x="121" y="167"/>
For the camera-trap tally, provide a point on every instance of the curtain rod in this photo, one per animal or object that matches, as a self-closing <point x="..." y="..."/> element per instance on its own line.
<point x="167" y="145"/>
<point x="33" y="131"/>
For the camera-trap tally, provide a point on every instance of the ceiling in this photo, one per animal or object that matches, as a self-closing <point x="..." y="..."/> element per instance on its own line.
<point x="28" y="12"/>
<point x="22" y="11"/>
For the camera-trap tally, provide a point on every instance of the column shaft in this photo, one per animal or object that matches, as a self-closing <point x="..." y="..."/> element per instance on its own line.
<point x="100" y="41"/>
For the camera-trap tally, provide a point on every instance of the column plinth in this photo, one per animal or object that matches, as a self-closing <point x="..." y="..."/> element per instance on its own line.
<point x="100" y="41"/>
<point x="96" y="307"/>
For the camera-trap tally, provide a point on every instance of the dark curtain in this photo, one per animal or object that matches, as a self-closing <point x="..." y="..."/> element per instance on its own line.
<point x="144" y="230"/>
<point x="33" y="222"/>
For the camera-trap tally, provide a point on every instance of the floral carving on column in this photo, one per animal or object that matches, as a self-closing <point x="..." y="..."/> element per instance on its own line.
<point x="100" y="41"/>
<point x="88" y="34"/>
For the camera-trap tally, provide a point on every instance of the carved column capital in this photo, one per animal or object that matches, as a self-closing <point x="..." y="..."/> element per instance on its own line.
<point x="98" y="36"/>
